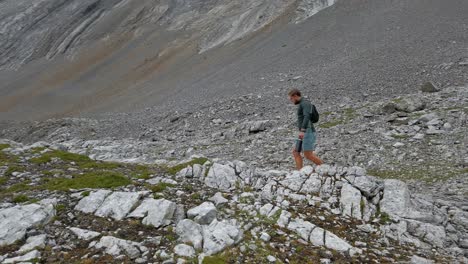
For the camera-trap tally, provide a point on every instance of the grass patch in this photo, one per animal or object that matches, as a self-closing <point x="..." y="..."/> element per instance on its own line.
<point x="60" y="207"/>
<point x="177" y="168"/>
<point x="63" y="155"/>
<point x="92" y="164"/>
<point x="160" y="187"/>
<point x="3" y="180"/>
<point x="23" y="186"/>
<point x="4" y="146"/>
<point x="214" y="260"/>
<point x="99" y="179"/>
<point x="37" y="150"/>
<point x="14" y="168"/>
<point x="85" y="193"/>
<point x="142" y="172"/>
<point x="20" y="198"/>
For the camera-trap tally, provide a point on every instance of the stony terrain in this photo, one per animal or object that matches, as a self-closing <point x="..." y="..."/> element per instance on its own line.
<point x="171" y="132"/>
<point x="217" y="185"/>
<point x="213" y="211"/>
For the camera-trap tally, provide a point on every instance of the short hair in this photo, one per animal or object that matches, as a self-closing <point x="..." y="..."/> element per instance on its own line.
<point x="294" y="92"/>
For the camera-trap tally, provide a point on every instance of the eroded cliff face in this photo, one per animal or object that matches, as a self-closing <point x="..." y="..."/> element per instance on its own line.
<point x="49" y="28"/>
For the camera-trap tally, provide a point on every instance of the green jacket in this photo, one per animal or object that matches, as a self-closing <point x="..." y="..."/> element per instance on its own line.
<point x="303" y="114"/>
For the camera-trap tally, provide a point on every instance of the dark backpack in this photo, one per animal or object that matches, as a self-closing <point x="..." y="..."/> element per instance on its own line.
<point x="314" y="115"/>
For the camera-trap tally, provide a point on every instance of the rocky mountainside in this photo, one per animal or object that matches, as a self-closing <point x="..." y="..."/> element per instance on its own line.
<point x="72" y="58"/>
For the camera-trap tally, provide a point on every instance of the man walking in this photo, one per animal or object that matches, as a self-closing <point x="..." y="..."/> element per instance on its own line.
<point x="306" y="129"/>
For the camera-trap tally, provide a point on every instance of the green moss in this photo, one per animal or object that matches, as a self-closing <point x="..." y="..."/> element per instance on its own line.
<point x="20" y="198"/>
<point x="95" y="179"/>
<point x="177" y="168"/>
<point x="401" y="136"/>
<point x="141" y="172"/>
<point x="63" y="155"/>
<point x="384" y="218"/>
<point x="159" y="187"/>
<point x="92" y="164"/>
<point x="3" y="180"/>
<point x="195" y="196"/>
<point x="23" y="186"/>
<point x="214" y="260"/>
<point x="4" y="146"/>
<point x="85" y="193"/>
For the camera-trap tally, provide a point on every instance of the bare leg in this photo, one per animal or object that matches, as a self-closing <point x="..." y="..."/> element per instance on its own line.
<point x="310" y="155"/>
<point x="297" y="159"/>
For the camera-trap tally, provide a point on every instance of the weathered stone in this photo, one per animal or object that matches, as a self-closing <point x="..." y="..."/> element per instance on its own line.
<point x="301" y="227"/>
<point x="32" y="243"/>
<point x="203" y="214"/>
<point x="396" y="199"/>
<point x="312" y="185"/>
<point x="218" y="199"/>
<point x="432" y="234"/>
<point x="368" y="185"/>
<point x="283" y="220"/>
<point x="115" y="247"/>
<point x="22" y="259"/>
<point x="184" y="251"/>
<point x="221" y="177"/>
<point x="84" y="234"/>
<point x="190" y="232"/>
<point x="118" y="204"/>
<point x="156" y="212"/>
<point x="409" y="104"/>
<point x="294" y="180"/>
<point x="219" y="235"/>
<point x="15" y="221"/>
<point x="91" y="203"/>
<point x="350" y="201"/>
<point x="419" y="260"/>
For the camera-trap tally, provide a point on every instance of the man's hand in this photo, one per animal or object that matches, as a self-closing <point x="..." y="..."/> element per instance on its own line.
<point x="301" y="135"/>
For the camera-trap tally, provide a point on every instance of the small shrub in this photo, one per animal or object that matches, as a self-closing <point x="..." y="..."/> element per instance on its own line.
<point x="160" y="187"/>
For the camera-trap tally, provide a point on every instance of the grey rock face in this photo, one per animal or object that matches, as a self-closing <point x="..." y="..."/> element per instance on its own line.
<point x="203" y="214"/>
<point x="218" y="199"/>
<point x="92" y="202"/>
<point x="219" y="235"/>
<point x="410" y="104"/>
<point x="118" y="204"/>
<point x="25" y="258"/>
<point x="155" y="212"/>
<point x="15" y="221"/>
<point x="184" y="251"/>
<point x="222" y="177"/>
<point x="190" y="232"/>
<point x="350" y="201"/>
<point x="84" y="234"/>
<point x="115" y="247"/>
<point x="429" y="88"/>
<point x="32" y="243"/>
<point x="396" y="200"/>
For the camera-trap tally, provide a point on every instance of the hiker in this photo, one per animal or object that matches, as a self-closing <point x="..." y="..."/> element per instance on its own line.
<point x="307" y="133"/>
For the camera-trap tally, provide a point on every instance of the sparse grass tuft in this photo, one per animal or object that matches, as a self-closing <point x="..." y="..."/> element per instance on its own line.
<point x="14" y="168"/>
<point x="99" y="179"/>
<point x="4" y="146"/>
<point x="142" y="172"/>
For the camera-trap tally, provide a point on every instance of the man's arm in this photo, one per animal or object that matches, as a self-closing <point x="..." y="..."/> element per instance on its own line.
<point x="306" y="108"/>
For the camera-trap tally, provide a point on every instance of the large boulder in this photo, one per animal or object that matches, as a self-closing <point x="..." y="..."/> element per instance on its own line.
<point x="220" y="235"/>
<point x="91" y="203"/>
<point x="155" y="212"/>
<point x="203" y="214"/>
<point x="190" y="232"/>
<point x="116" y="246"/>
<point x="15" y="221"/>
<point x="118" y="204"/>
<point x="350" y="201"/>
<point x="410" y="104"/>
<point x="222" y="177"/>
<point x="396" y="199"/>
